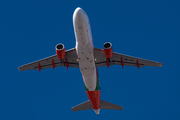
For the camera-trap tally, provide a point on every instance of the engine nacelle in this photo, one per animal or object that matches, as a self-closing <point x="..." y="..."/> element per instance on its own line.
<point x="108" y="50"/>
<point x="60" y="51"/>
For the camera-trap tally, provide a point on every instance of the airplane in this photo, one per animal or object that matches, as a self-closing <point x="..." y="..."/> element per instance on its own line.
<point x="88" y="58"/>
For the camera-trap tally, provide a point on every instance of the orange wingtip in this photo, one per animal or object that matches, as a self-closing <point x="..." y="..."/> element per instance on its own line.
<point x="162" y="63"/>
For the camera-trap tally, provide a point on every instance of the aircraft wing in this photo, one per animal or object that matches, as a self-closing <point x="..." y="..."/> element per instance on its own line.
<point x="70" y="55"/>
<point x="120" y="59"/>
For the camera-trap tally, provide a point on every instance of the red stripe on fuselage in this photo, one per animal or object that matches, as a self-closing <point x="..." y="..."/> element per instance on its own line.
<point x="94" y="98"/>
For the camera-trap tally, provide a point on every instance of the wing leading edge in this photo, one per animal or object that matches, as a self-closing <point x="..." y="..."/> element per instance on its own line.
<point x="120" y="59"/>
<point x="53" y="61"/>
<point x="100" y="61"/>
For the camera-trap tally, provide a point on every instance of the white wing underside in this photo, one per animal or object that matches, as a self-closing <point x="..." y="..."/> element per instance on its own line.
<point x="116" y="60"/>
<point x="100" y="61"/>
<point x="70" y="55"/>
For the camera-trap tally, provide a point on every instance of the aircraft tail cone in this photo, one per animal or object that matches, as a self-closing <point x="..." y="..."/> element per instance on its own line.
<point x="97" y="111"/>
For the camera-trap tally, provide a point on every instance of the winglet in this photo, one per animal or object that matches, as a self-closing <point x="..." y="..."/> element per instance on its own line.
<point x="19" y="68"/>
<point x="162" y="63"/>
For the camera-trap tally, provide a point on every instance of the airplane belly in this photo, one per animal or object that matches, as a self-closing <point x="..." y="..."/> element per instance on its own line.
<point x="87" y="66"/>
<point x="84" y="48"/>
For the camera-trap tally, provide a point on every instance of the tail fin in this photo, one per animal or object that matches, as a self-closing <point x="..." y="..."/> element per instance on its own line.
<point x="103" y="105"/>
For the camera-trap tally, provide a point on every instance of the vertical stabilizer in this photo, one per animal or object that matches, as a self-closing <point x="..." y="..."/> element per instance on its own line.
<point x="97" y="111"/>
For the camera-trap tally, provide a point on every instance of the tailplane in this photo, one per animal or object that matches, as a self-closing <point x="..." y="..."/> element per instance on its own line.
<point x="103" y="105"/>
<point x="107" y="105"/>
<point x="83" y="106"/>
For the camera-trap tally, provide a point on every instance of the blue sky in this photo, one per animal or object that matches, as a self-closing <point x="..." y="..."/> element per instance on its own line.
<point x="29" y="30"/>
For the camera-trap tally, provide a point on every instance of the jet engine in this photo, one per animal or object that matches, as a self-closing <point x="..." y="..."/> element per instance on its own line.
<point x="108" y="50"/>
<point x="60" y="51"/>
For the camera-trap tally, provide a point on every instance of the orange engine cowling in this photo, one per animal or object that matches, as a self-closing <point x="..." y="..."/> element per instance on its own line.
<point x="108" y="50"/>
<point x="60" y="51"/>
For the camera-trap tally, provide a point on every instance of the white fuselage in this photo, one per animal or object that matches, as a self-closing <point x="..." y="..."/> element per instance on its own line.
<point x="85" y="48"/>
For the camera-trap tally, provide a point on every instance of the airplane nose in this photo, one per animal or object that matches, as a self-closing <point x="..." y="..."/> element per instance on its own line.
<point x="78" y="10"/>
<point x="78" y="13"/>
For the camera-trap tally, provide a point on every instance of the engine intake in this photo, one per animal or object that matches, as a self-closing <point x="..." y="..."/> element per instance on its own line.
<point x="60" y="51"/>
<point x="108" y="50"/>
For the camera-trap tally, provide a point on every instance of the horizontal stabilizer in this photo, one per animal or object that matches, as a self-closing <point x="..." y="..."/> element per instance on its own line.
<point x="103" y="105"/>
<point x="107" y="105"/>
<point x="83" y="106"/>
